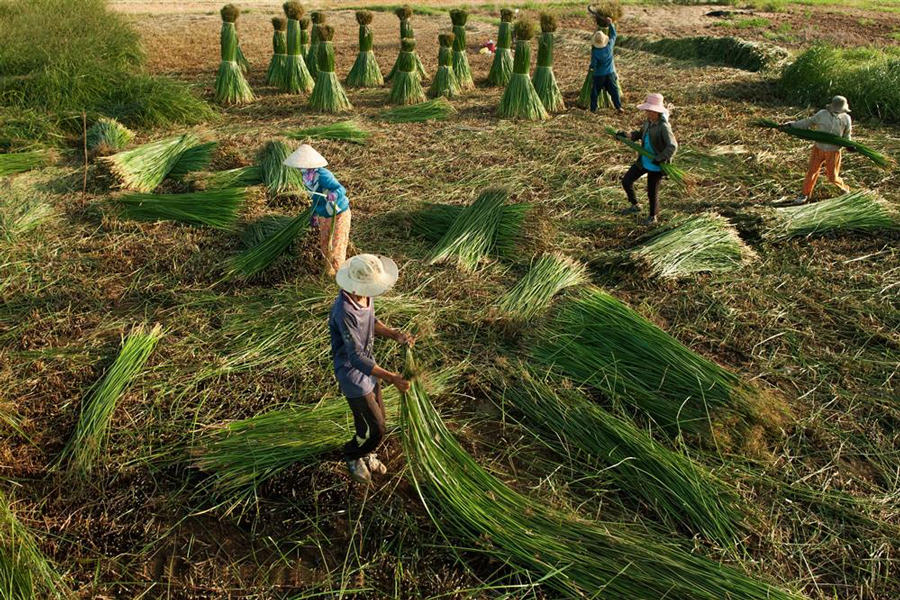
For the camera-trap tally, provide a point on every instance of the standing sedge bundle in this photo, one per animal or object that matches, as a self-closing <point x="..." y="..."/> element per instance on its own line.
<point x="406" y="33"/>
<point x="520" y="100"/>
<point x="365" y="72"/>
<point x="328" y="95"/>
<point x="296" y="77"/>
<point x="460" y="60"/>
<point x="406" y="87"/>
<point x="279" y="51"/>
<point x="279" y="178"/>
<point x="304" y="37"/>
<point x="444" y="83"/>
<point x="502" y="67"/>
<point x="312" y="61"/>
<point x="544" y="80"/>
<point x="231" y="86"/>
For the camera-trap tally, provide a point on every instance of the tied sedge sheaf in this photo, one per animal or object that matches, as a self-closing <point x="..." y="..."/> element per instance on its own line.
<point x="312" y="55"/>
<point x="544" y="80"/>
<point x="86" y="445"/>
<point x="295" y="77"/>
<point x="20" y="162"/>
<point x="702" y="244"/>
<point x="681" y="492"/>
<point x="828" y="138"/>
<point x="438" y="109"/>
<point x="278" y="177"/>
<point x="862" y="212"/>
<point x="25" y="572"/>
<point x="502" y="66"/>
<point x="344" y="131"/>
<point x="444" y="82"/>
<point x="520" y="100"/>
<point x="328" y="95"/>
<point x="597" y="340"/>
<point x="231" y="85"/>
<point x="258" y="258"/>
<point x="575" y="557"/>
<point x="143" y="168"/>
<point x="461" y="67"/>
<point x="671" y="171"/>
<point x="433" y="222"/>
<point x="275" y="72"/>
<point x="107" y="136"/>
<point x="406" y="86"/>
<point x="214" y="208"/>
<point x="404" y="14"/>
<point x="365" y="72"/>
<point x="551" y="274"/>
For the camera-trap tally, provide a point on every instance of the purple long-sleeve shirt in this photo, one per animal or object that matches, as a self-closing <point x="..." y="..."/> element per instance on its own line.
<point x="352" y="329"/>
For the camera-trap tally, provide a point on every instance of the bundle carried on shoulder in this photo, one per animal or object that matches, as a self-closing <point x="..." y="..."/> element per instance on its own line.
<point x="406" y="87"/>
<point x="828" y="138"/>
<point x="365" y="72"/>
<point x="502" y="67"/>
<point x="544" y="79"/>
<point x="460" y="61"/>
<point x="295" y="77"/>
<point x="231" y="85"/>
<point x="328" y="95"/>
<point x="520" y="100"/>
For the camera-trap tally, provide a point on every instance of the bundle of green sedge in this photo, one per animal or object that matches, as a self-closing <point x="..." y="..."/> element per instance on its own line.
<point x="460" y="60"/>
<point x="295" y="77"/>
<point x="544" y="80"/>
<point x="279" y="51"/>
<point x="520" y="99"/>
<point x="231" y="85"/>
<point x="328" y="95"/>
<point x="502" y="67"/>
<point x="365" y="72"/>
<point x="318" y="21"/>
<point x="406" y="87"/>
<point x="304" y="37"/>
<point x="107" y="136"/>
<point x="406" y="33"/>
<point x="445" y="83"/>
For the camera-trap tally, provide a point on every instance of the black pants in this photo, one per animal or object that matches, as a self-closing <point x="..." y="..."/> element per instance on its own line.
<point x="608" y="83"/>
<point x="654" y="178"/>
<point x="368" y="419"/>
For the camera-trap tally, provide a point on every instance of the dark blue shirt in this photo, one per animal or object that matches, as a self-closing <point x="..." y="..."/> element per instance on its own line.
<point x="602" y="58"/>
<point x="352" y="329"/>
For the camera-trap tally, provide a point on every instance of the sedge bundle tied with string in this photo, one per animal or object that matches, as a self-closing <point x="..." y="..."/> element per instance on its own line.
<point x="828" y="138"/>
<point x="257" y="259"/>
<point x="681" y="492"/>
<point x="86" y="446"/>
<point x="444" y="83"/>
<point x="217" y="208"/>
<point x="674" y="173"/>
<point x="107" y="136"/>
<point x="404" y="13"/>
<point x="705" y="243"/>
<point x="520" y="100"/>
<point x="365" y="72"/>
<point x="296" y="77"/>
<point x="574" y="556"/>
<point x="502" y="67"/>
<point x="13" y="163"/>
<point x="460" y="61"/>
<point x="275" y="72"/>
<point x="549" y="275"/>
<point x="304" y="37"/>
<point x="143" y="168"/>
<point x="859" y="212"/>
<point x="438" y="109"/>
<point x="344" y="131"/>
<point x="597" y="340"/>
<point x="196" y="158"/>
<point x="328" y="95"/>
<point x="544" y="79"/>
<point x="312" y="60"/>
<point x="406" y="86"/>
<point x="231" y="85"/>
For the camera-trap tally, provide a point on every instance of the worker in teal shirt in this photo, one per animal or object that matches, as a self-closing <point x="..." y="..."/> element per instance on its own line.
<point x="604" y="67"/>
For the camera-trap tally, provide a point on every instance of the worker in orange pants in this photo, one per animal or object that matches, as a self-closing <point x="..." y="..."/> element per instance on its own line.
<point x="834" y="119"/>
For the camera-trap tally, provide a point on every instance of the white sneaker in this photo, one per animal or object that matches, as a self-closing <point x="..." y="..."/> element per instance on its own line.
<point x="375" y="465"/>
<point x="799" y="200"/>
<point x="359" y="472"/>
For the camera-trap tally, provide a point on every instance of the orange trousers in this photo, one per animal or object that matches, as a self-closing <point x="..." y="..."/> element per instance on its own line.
<point x="832" y="162"/>
<point x="334" y="244"/>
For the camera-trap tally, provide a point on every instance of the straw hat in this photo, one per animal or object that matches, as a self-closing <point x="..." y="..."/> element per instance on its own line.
<point x="305" y="157"/>
<point x="654" y="102"/>
<point x="367" y="275"/>
<point x="839" y="105"/>
<point x="600" y="39"/>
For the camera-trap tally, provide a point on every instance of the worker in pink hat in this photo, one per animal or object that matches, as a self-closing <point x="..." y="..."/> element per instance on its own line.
<point x="657" y="138"/>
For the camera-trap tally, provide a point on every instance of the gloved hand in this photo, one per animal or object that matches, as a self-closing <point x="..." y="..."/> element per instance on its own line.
<point x="850" y="148"/>
<point x="656" y="162"/>
<point x="621" y="134"/>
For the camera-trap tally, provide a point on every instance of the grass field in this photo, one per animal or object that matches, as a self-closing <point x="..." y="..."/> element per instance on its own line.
<point x="814" y="322"/>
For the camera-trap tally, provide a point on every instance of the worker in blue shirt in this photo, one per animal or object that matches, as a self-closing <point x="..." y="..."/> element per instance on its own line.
<point x="604" y="67"/>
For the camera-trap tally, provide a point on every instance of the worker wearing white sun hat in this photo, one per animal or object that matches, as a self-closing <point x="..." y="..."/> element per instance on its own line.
<point x="331" y="207"/>
<point x="353" y="327"/>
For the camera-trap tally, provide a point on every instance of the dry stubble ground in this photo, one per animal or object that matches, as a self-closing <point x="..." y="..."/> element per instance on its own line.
<point x="818" y="319"/>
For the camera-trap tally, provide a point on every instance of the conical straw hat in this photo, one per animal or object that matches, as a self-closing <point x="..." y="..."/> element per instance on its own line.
<point x="305" y="157"/>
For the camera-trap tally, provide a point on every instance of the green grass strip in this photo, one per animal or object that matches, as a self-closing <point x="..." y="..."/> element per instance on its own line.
<point x="551" y="274"/>
<point x="342" y="131"/>
<point x="437" y="109"/>
<point x="217" y="208"/>
<point x="20" y="162"/>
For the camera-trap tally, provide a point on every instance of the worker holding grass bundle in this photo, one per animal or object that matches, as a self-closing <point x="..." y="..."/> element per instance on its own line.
<point x="658" y="140"/>
<point x="834" y="119"/>
<point x="604" y="67"/>
<point x="353" y="327"/>
<point x="331" y="207"/>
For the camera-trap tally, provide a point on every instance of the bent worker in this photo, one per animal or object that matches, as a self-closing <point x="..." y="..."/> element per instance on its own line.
<point x="353" y="327"/>
<point x="330" y="205"/>
<point x="834" y="119"/>
<point x="604" y="67"/>
<point x="657" y="138"/>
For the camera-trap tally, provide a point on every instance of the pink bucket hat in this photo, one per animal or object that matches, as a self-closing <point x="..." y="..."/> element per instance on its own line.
<point x="654" y="102"/>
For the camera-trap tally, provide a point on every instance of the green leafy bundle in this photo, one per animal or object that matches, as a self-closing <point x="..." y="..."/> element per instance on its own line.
<point x="444" y="83"/>
<point x="278" y="64"/>
<point x="365" y="72"/>
<point x="406" y="87"/>
<point x="828" y="138"/>
<point x="432" y="110"/>
<point x="346" y="131"/>
<point x="231" y="85"/>
<point x="671" y="171"/>
<point x="143" y="168"/>
<point x="258" y="258"/>
<point x="551" y="274"/>
<point x="218" y="208"/>
<point x="862" y="212"/>
<point x="328" y="95"/>
<point x="107" y="136"/>
<point x="295" y="77"/>
<point x="502" y="66"/>
<point x="544" y="79"/>
<point x="520" y="100"/>
<point x="460" y="61"/>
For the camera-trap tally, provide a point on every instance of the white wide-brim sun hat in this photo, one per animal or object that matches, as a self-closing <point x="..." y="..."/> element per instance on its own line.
<point x="305" y="157"/>
<point x="367" y="275"/>
<point x="599" y="40"/>
<point x="839" y="105"/>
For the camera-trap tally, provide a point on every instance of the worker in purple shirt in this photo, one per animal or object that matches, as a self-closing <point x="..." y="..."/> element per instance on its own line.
<point x="353" y="328"/>
<point x="604" y="67"/>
